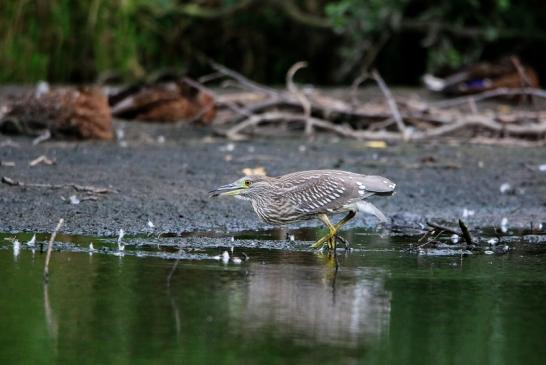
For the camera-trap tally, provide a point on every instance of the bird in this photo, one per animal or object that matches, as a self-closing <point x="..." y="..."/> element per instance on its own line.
<point x="304" y="195"/>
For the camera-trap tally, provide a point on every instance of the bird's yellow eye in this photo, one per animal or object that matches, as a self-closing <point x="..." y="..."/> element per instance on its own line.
<point x="248" y="183"/>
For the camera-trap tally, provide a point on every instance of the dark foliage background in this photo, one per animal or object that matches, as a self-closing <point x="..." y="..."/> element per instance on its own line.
<point x="69" y="41"/>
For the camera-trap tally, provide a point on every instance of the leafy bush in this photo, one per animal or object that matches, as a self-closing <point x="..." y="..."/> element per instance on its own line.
<point x="67" y="41"/>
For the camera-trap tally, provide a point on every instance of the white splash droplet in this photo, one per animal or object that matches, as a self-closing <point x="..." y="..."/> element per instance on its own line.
<point x="32" y="241"/>
<point x="225" y="257"/>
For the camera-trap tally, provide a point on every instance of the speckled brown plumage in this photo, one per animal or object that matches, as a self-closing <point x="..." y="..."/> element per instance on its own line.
<point x="310" y="194"/>
<point x="305" y="194"/>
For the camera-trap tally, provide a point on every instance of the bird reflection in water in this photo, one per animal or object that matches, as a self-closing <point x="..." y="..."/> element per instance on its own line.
<point x="303" y="298"/>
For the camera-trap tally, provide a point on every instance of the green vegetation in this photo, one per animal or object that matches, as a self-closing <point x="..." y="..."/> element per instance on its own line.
<point x="66" y="41"/>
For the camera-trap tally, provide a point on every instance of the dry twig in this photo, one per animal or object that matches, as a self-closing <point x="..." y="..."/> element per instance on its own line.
<point x="292" y="88"/>
<point x="81" y="188"/>
<point x="466" y="234"/>
<point x="49" y="248"/>
<point x="392" y="104"/>
<point x="43" y="159"/>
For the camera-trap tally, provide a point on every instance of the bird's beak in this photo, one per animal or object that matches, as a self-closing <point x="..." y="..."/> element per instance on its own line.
<point x="229" y="189"/>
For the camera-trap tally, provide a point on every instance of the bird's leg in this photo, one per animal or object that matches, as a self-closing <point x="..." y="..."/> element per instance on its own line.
<point x="330" y="238"/>
<point x="347" y="218"/>
<point x="344" y="241"/>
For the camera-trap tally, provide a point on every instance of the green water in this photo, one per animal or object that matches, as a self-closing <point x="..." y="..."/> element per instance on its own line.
<point x="384" y="306"/>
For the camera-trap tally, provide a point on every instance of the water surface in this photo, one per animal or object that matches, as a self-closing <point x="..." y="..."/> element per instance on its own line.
<point x="283" y="306"/>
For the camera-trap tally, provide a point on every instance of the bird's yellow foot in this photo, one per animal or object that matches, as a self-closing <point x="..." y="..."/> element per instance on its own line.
<point x="330" y="240"/>
<point x="321" y="242"/>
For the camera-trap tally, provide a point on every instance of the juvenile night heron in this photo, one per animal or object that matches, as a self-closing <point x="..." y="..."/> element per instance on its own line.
<point x="310" y="194"/>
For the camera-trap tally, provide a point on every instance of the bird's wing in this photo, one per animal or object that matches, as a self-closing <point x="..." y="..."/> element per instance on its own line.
<point x="315" y="192"/>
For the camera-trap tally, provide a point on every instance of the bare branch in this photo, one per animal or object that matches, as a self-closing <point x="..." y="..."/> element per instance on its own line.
<point x="392" y="104"/>
<point x="243" y="80"/>
<point x="374" y="120"/>
<point x="235" y="133"/>
<point x="292" y="88"/>
<point x="81" y="188"/>
<point x="49" y="248"/>
<point x="291" y="9"/>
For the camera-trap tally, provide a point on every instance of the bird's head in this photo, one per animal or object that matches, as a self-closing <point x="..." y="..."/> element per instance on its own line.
<point x="246" y="187"/>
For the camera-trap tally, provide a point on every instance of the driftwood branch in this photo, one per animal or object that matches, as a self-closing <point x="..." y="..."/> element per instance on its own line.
<point x="81" y="188"/>
<point x="466" y="234"/>
<point x="392" y="104"/>
<point x="394" y="119"/>
<point x="443" y="228"/>
<point x="292" y="88"/>
<point x="243" y="80"/>
<point x="235" y="133"/>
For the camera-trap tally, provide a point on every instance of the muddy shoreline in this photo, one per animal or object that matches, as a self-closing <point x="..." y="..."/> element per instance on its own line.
<point x="162" y="173"/>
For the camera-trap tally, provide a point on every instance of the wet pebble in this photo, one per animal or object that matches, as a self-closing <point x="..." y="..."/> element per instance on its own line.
<point x="505" y="188"/>
<point x="493" y="241"/>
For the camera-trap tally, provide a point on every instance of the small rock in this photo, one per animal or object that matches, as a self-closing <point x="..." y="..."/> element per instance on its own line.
<point x="41" y="88"/>
<point x="505" y="188"/>
<point x="120" y="134"/>
<point x="468" y="213"/>
<point x="230" y="147"/>
<point x="504" y="225"/>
